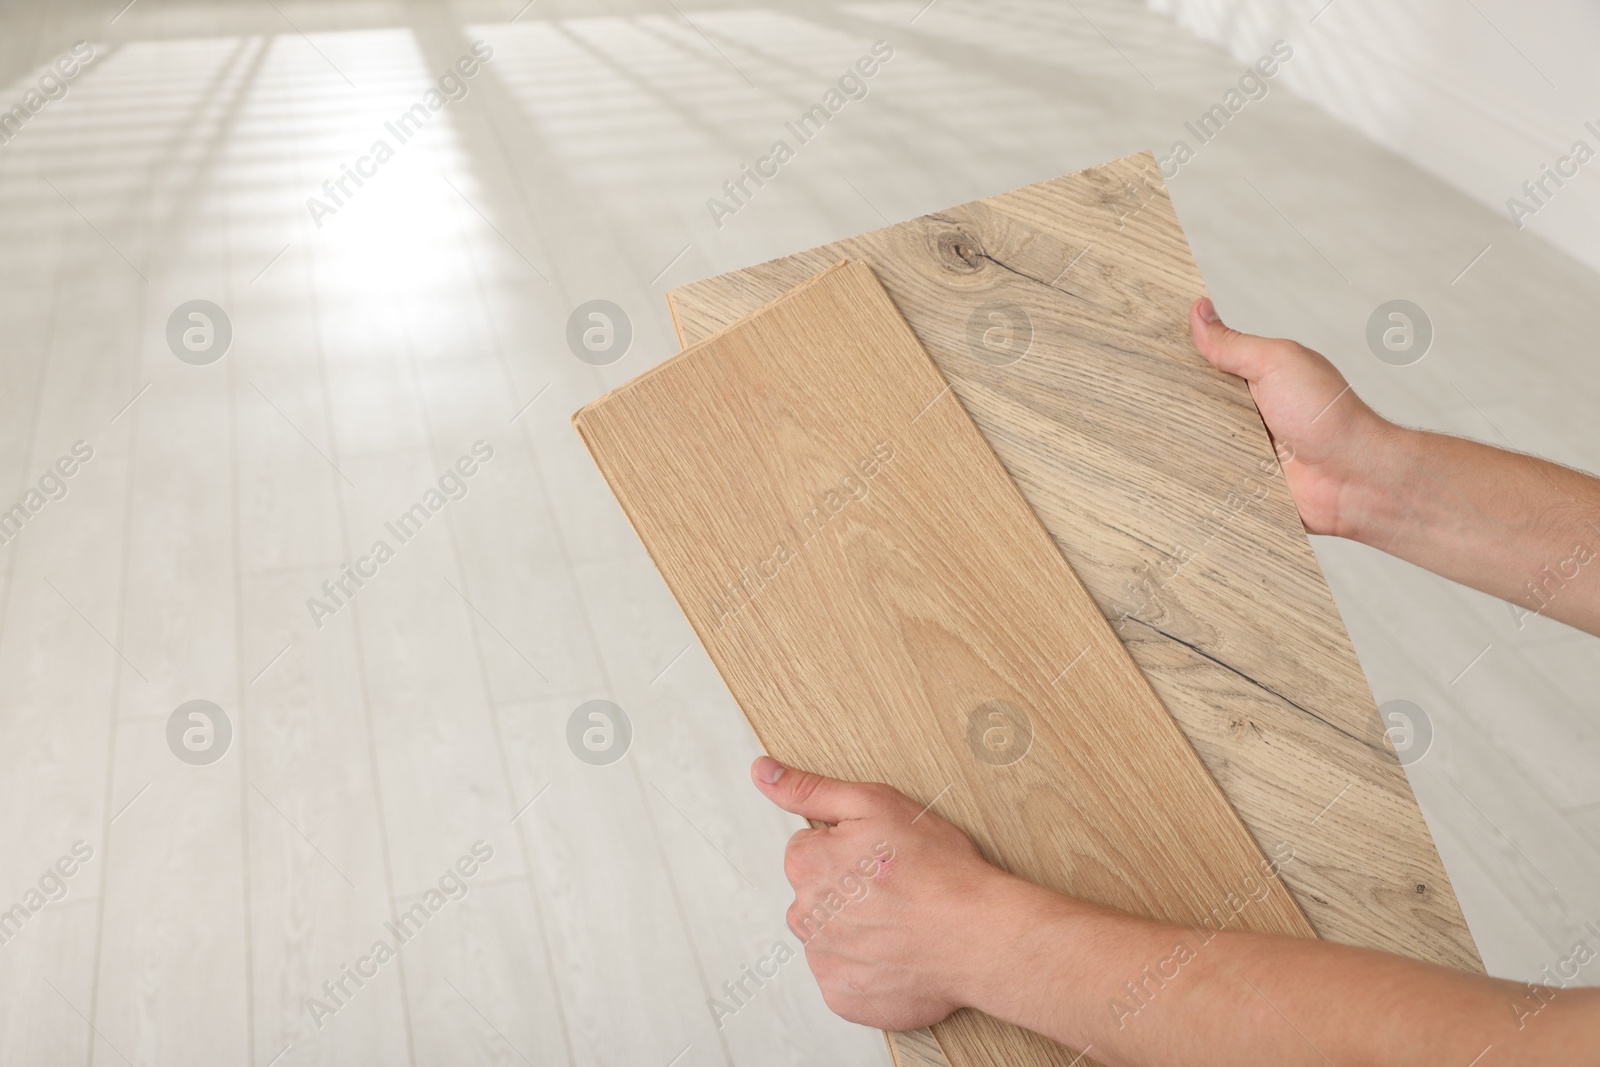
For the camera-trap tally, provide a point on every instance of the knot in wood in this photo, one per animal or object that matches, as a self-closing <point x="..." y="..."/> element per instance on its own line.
<point x="960" y="252"/>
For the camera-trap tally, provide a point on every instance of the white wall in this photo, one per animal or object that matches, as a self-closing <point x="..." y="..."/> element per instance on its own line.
<point x="1479" y="92"/>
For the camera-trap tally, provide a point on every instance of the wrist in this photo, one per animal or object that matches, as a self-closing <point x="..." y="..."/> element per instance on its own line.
<point x="1049" y="962"/>
<point x="1013" y="941"/>
<point x="986" y="922"/>
<point x="1380" y="488"/>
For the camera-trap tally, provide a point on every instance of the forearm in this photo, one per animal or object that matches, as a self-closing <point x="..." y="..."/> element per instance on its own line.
<point x="1514" y="526"/>
<point x="1135" y="992"/>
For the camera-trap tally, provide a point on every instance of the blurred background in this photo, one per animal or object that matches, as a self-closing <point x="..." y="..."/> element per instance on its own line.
<point x="228" y="369"/>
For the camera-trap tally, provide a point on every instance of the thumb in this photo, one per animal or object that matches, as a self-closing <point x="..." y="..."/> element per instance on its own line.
<point x="1228" y="350"/>
<point x="815" y="796"/>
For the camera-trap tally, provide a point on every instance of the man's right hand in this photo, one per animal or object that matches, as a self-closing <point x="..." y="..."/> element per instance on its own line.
<point x="1326" y="437"/>
<point x="1516" y="527"/>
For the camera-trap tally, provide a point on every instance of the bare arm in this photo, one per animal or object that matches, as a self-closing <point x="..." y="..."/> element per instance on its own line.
<point x="1141" y="993"/>
<point x="1514" y="526"/>
<point x="933" y="928"/>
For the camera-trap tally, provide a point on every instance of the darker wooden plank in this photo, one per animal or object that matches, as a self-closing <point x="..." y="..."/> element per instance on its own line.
<point x="1129" y="448"/>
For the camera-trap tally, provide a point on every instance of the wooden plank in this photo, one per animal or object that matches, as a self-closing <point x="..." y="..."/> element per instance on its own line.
<point x="65" y="374"/>
<point x="1243" y="643"/>
<point x="607" y="948"/>
<point x="173" y="953"/>
<point x="56" y="674"/>
<point x="844" y="541"/>
<point x="171" y="981"/>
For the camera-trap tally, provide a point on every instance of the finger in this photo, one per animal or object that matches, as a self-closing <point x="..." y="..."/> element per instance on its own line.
<point x="815" y="796"/>
<point x="800" y="837"/>
<point x="802" y="858"/>
<point x="805" y="923"/>
<point x="1243" y="354"/>
<point x="791" y="918"/>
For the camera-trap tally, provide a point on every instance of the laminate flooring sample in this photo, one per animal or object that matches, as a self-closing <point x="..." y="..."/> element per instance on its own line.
<point x="884" y="605"/>
<point x="1058" y="314"/>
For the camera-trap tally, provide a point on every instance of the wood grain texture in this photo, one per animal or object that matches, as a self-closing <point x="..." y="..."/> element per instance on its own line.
<point x="845" y="542"/>
<point x="1136" y="455"/>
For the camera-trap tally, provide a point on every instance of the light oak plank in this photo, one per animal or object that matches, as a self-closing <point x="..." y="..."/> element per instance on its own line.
<point x="916" y="605"/>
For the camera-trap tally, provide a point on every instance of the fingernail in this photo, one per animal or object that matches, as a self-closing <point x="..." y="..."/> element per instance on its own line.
<point x="1208" y="310"/>
<point x="769" y="770"/>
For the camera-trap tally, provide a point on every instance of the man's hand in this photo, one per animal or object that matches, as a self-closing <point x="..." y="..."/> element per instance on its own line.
<point x="904" y="922"/>
<point x="1325" y="436"/>
<point x="886" y="899"/>
<point x="1516" y="527"/>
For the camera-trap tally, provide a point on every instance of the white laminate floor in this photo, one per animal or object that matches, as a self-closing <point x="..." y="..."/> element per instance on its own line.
<point x="408" y="743"/>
